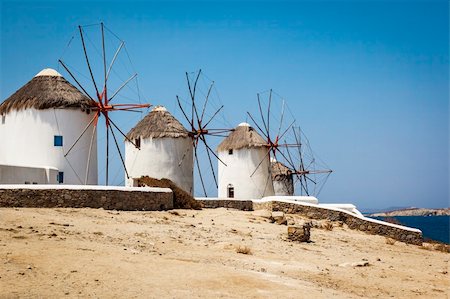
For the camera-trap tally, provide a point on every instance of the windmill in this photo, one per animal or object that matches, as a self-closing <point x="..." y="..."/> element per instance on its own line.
<point x="311" y="172"/>
<point x="284" y="143"/>
<point x="102" y="81"/>
<point x="200" y="113"/>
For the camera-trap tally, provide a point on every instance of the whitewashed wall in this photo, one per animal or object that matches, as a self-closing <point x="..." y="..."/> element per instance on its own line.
<point x="27" y="139"/>
<point x="240" y="166"/>
<point x="14" y="174"/>
<point x="160" y="158"/>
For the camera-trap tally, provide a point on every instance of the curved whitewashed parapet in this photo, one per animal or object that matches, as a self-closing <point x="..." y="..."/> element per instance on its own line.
<point x="343" y="206"/>
<point x="307" y="199"/>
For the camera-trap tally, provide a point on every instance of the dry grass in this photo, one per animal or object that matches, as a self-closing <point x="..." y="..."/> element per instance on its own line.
<point x="390" y="241"/>
<point x="442" y="247"/>
<point x="327" y="226"/>
<point x="437" y="246"/>
<point x="243" y="250"/>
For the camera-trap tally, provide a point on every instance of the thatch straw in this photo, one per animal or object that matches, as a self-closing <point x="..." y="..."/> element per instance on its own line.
<point x="46" y="92"/>
<point x="157" y="124"/>
<point x="242" y="137"/>
<point x="279" y="170"/>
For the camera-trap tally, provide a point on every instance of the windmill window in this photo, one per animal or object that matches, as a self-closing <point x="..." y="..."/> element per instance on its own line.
<point x="230" y="151"/>
<point x="3" y="119"/>
<point x="230" y="191"/>
<point x="58" y="140"/>
<point x="137" y="142"/>
<point x="60" y="177"/>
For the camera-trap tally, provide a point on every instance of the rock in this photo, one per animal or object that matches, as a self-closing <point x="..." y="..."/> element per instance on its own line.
<point x="290" y="221"/>
<point x="361" y="264"/>
<point x="299" y="233"/>
<point x="356" y="264"/>
<point x="279" y="218"/>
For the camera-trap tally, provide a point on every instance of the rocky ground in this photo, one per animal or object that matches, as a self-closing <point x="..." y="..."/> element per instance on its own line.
<point x="209" y="253"/>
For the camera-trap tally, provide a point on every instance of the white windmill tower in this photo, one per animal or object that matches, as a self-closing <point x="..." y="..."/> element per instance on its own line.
<point x="246" y="174"/>
<point x="282" y="177"/>
<point x="38" y="124"/>
<point x="164" y="150"/>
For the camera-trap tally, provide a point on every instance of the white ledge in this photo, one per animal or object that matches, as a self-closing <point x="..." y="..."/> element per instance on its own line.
<point x="85" y="187"/>
<point x="362" y="217"/>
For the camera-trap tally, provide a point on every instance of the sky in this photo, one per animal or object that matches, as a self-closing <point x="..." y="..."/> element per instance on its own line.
<point x="367" y="81"/>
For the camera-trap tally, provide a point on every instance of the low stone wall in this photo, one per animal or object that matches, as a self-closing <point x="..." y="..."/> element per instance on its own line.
<point x="243" y="205"/>
<point x="372" y="226"/>
<point x="109" y="199"/>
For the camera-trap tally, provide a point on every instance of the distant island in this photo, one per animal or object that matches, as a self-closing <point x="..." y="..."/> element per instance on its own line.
<point x="414" y="212"/>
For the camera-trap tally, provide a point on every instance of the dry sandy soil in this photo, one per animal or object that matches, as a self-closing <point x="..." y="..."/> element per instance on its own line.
<point x="53" y="253"/>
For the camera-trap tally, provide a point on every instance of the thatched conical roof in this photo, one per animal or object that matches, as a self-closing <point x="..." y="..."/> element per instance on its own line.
<point x="244" y="136"/>
<point x="158" y="123"/>
<point x="48" y="89"/>
<point x="279" y="169"/>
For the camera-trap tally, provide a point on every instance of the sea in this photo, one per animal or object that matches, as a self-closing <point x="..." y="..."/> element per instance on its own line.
<point x="435" y="228"/>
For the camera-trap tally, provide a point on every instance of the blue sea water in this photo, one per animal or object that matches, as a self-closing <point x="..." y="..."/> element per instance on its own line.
<point x="433" y="227"/>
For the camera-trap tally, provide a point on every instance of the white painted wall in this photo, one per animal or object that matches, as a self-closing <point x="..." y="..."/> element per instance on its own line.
<point x="302" y="199"/>
<point x="13" y="174"/>
<point x="170" y="158"/>
<point x="27" y="139"/>
<point x="240" y="166"/>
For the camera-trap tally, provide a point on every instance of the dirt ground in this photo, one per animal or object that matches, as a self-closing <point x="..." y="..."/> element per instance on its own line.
<point x="54" y="253"/>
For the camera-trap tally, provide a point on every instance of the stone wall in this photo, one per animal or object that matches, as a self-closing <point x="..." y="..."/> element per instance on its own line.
<point x="312" y="211"/>
<point x="354" y="222"/>
<point x="243" y="205"/>
<point x="87" y="198"/>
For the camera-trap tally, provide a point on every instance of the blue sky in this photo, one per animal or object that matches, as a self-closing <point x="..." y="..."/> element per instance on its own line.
<point x="366" y="80"/>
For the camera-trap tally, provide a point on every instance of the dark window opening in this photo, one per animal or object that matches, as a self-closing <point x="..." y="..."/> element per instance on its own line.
<point x="230" y="151"/>
<point x="137" y="142"/>
<point x="60" y="177"/>
<point x="27" y="183"/>
<point x="3" y="119"/>
<point x="230" y="190"/>
<point x="58" y="140"/>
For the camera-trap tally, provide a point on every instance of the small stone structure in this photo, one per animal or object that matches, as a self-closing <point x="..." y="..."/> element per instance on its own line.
<point x="64" y="196"/>
<point x="299" y="233"/>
